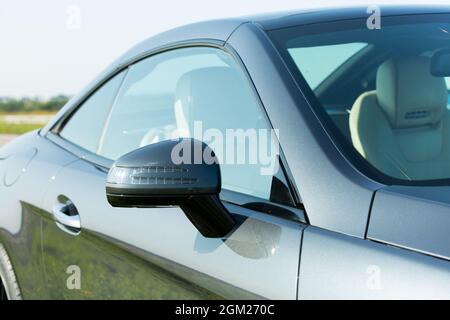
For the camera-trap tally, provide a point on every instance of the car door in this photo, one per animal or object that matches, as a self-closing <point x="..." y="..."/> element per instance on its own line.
<point x="92" y="250"/>
<point x="28" y="165"/>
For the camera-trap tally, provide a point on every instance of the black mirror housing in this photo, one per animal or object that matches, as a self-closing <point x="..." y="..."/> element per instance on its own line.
<point x="181" y="172"/>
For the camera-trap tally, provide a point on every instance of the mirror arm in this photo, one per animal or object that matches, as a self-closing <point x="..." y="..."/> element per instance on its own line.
<point x="208" y="215"/>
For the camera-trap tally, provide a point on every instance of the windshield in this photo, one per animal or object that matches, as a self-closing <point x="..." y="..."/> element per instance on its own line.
<point x="317" y="63"/>
<point x="384" y="93"/>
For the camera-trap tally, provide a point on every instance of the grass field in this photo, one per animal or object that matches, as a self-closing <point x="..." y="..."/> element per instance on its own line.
<point x="19" y="123"/>
<point x="17" y="128"/>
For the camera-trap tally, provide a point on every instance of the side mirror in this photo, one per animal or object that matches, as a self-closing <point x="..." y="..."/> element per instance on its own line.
<point x="182" y="172"/>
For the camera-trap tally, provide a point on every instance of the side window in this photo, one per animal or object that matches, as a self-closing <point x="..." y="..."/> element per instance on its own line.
<point x="85" y="127"/>
<point x="201" y="93"/>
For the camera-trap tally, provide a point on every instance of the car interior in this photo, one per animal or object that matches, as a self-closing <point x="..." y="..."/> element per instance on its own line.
<point x="402" y="127"/>
<point x="385" y="100"/>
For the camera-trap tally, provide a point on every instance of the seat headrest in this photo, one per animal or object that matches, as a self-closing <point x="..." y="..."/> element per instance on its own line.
<point x="409" y="95"/>
<point x="204" y="94"/>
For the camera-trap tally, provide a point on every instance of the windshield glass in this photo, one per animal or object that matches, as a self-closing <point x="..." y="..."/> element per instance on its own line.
<point x="383" y="93"/>
<point x="317" y="63"/>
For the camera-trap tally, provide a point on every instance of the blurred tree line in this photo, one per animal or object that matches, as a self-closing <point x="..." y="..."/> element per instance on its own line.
<point x="32" y="104"/>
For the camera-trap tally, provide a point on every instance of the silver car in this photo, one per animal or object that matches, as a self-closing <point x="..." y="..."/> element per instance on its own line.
<point x="324" y="139"/>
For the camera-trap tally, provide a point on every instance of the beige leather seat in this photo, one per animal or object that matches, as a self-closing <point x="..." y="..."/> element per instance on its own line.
<point x="402" y="128"/>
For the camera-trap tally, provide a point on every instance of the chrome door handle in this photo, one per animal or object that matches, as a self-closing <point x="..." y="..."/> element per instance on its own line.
<point x="66" y="218"/>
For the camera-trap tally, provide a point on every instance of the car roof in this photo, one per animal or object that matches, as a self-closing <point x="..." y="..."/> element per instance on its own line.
<point x="326" y="14"/>
<point x="221" y="29"/>
<point x="218" y="30"/>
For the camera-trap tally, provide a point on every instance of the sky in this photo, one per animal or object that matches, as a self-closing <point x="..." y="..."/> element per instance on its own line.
<point x="50" y="47"/>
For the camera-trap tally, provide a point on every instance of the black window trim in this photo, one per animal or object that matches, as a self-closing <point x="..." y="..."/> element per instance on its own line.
<point x="297" y="212"/>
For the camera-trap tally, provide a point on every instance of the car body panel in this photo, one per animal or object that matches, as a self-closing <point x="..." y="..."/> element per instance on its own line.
<point x="414" y="218"/>
<point x="336" y="266"/>
<point x="121" y="251"/>
<point x="20" y="225"/>
<point x="217" y="30"/>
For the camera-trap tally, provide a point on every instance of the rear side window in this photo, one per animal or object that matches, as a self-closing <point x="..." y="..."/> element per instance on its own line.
<point x="86" y="125"/>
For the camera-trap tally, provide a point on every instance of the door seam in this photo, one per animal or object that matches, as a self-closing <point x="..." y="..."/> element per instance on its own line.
<point x="299" y="263"/>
